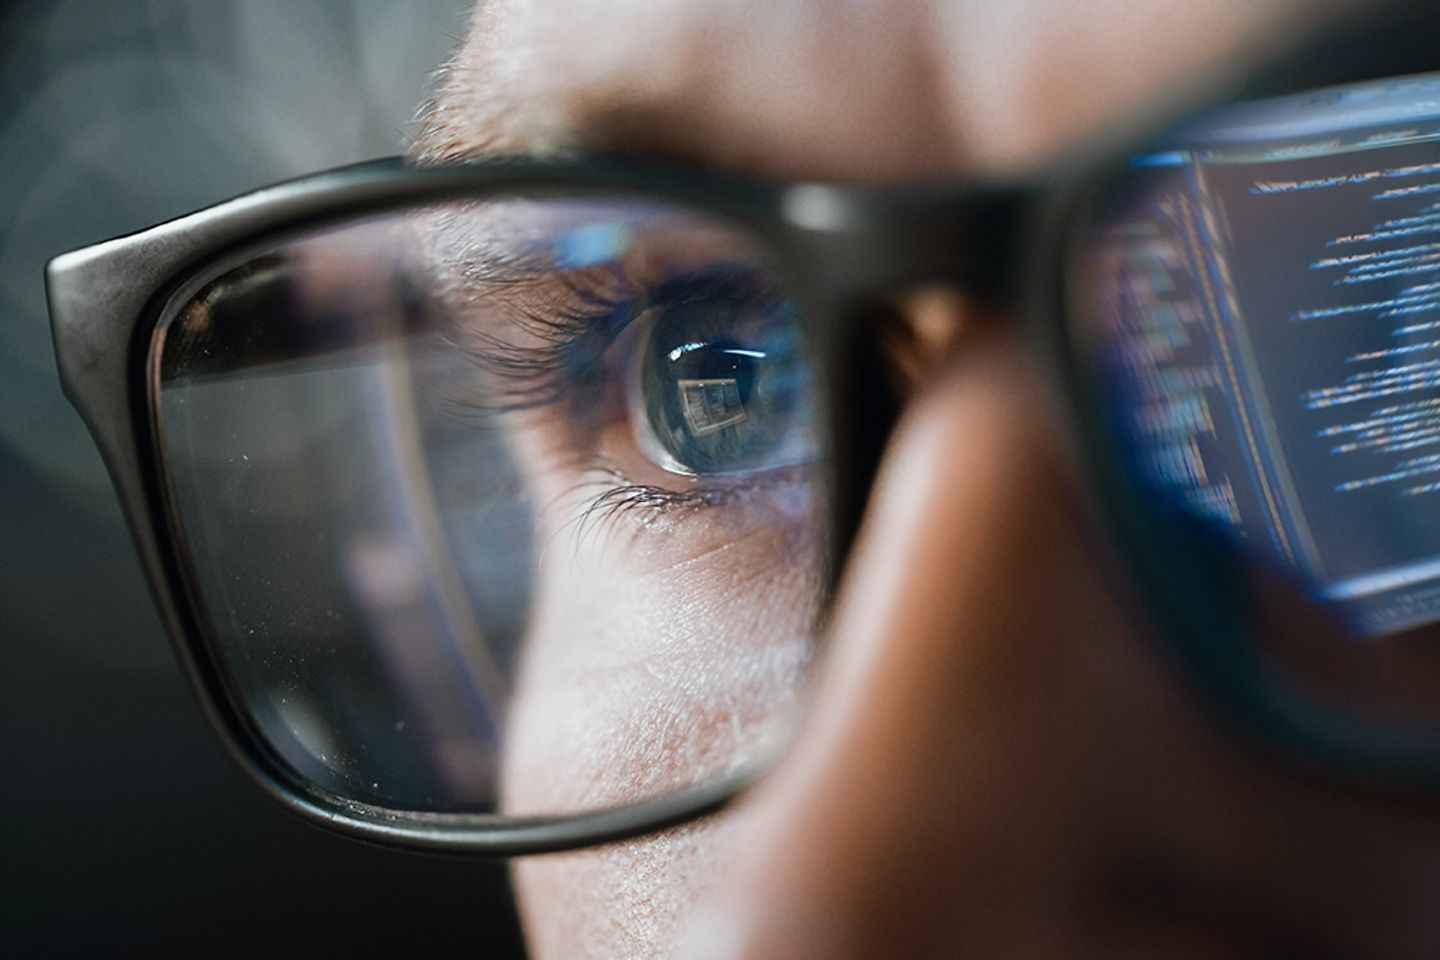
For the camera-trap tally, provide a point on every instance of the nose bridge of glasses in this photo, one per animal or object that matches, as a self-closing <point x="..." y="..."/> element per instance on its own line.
<point x="872" y="242"/>
<point x="908" y="277"/>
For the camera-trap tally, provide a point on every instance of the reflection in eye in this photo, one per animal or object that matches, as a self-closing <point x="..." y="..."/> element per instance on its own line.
<point x="719" y="387"/>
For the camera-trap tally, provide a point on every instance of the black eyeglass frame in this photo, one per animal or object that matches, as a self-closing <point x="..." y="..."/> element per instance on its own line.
<point x="841" y="248"/>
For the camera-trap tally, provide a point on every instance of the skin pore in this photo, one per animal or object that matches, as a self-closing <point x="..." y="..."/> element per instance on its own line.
<point x="997" y="761"/>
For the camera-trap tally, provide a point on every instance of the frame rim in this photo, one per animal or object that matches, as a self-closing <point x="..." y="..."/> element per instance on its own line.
<point x="110" y="301"/>
<point x="99" y="352"/>
<point x="1207" y="632"/>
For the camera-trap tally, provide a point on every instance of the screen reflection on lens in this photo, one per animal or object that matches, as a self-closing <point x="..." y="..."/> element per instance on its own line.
<point x="1259" y="307"/>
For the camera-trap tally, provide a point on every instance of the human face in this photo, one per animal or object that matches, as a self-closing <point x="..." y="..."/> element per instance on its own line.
<point x="981" y="772"/>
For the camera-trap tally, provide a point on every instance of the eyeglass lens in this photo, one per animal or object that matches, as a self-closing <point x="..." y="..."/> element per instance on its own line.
<point x="501" y="505"/>
<point x="1257" y="303"/>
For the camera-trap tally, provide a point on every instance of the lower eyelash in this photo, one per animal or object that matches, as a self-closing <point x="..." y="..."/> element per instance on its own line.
<point x="643" y="502"/>
<point x="634" y="498"/>
<point x="649" y="508"/>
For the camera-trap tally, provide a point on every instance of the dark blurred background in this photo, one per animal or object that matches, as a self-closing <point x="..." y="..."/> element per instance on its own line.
<point x="126" y="831"/>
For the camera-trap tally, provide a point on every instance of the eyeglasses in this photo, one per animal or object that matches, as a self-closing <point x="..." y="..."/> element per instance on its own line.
<point x="496" y="507"/>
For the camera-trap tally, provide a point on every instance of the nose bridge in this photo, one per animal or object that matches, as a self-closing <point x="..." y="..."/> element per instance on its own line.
<point x="939" y="664"/>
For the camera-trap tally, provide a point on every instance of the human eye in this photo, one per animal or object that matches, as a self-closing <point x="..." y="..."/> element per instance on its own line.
<point x="668" y="373"/>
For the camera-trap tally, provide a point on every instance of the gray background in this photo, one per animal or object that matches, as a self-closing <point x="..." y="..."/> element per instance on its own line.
<point x="125" y="829"/>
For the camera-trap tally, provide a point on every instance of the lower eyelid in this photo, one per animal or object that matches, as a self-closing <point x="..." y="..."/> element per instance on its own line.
<point x="781" y="513"/>
<point x="648" y="502"/>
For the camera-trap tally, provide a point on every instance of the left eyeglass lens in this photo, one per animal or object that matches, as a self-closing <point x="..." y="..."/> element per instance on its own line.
<point x="506" y="505"/>
<point x="1253" y="309"/>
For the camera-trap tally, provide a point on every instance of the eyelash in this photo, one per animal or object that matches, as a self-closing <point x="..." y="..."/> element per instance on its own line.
<point x="652" y="503"/>
<point x="576" y="328"/>
<point x="622" y="498"/>
<point x="575" y="332"/>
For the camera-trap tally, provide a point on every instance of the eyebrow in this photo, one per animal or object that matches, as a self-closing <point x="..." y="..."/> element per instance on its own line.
<point x="469" y="120"/>
<point x="845" y="92"/>
<point x="473" y="116"/>
<point x="766" y="95"/>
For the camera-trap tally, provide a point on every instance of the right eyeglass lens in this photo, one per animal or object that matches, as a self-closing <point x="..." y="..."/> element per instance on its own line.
<point x="508" y="505"/>
<point x="1255" y="303"/>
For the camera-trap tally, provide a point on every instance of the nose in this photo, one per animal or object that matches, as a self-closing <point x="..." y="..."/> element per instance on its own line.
<point x="990" y="734"/>
<point x="918" y="810"/>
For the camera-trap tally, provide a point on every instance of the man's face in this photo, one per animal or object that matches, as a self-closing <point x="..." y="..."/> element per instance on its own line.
<point x="996" y="761"/>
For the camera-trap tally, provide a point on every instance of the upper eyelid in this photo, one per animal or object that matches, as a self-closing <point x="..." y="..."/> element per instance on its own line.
<point x="553" y="345"/>
<point x="570" y="336"/>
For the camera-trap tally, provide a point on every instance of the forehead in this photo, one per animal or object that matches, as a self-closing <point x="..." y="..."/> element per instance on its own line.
<point x="836" y="89"/>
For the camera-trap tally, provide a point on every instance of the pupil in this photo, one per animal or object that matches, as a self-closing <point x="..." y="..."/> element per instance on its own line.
<point x="716" y="391"/>
<point x="717" y="399"/>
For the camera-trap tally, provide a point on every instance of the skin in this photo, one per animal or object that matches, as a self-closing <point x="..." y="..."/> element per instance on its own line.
<point x="665" y="639"/>
<point x="998" y="761"/>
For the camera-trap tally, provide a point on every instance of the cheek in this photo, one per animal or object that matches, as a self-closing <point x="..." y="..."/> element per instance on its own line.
<point x="634" y="684"/>
<point x="625" y="900"/>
